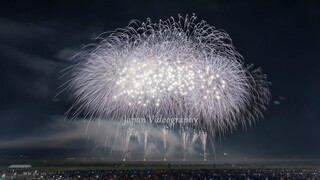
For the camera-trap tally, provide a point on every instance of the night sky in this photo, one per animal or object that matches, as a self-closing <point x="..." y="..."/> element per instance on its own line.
<point x="37" y="38"/>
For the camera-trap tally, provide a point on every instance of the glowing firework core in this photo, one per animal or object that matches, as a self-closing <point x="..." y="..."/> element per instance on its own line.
<point x="147" y="82"/>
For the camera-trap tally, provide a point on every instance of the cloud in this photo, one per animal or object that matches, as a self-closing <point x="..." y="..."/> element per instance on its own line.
<point x="11" y="30"/>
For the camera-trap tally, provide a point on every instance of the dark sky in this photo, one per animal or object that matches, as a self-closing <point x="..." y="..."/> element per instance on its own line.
<point x="36" y="38"/>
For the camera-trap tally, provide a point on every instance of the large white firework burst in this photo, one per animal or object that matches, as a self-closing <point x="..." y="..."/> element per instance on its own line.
<point x="177" y="68"/>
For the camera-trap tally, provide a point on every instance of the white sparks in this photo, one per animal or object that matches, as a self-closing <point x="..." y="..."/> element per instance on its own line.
<point x="173" y="68"/>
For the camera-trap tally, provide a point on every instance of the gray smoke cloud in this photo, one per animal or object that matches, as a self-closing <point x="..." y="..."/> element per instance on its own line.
<point x="110" y="137"/>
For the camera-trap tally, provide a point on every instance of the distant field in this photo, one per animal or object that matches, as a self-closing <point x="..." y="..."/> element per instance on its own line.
<point x="98" y="164"/>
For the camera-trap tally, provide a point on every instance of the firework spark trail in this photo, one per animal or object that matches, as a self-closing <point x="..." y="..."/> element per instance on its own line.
<point x="194" y="138"/>
<point x="184" y="139"/>
<point x="127" y="136"/>
<point x="164" y="134"/>
<point x="203" y="138"/>
<point x="145" y="144"/>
